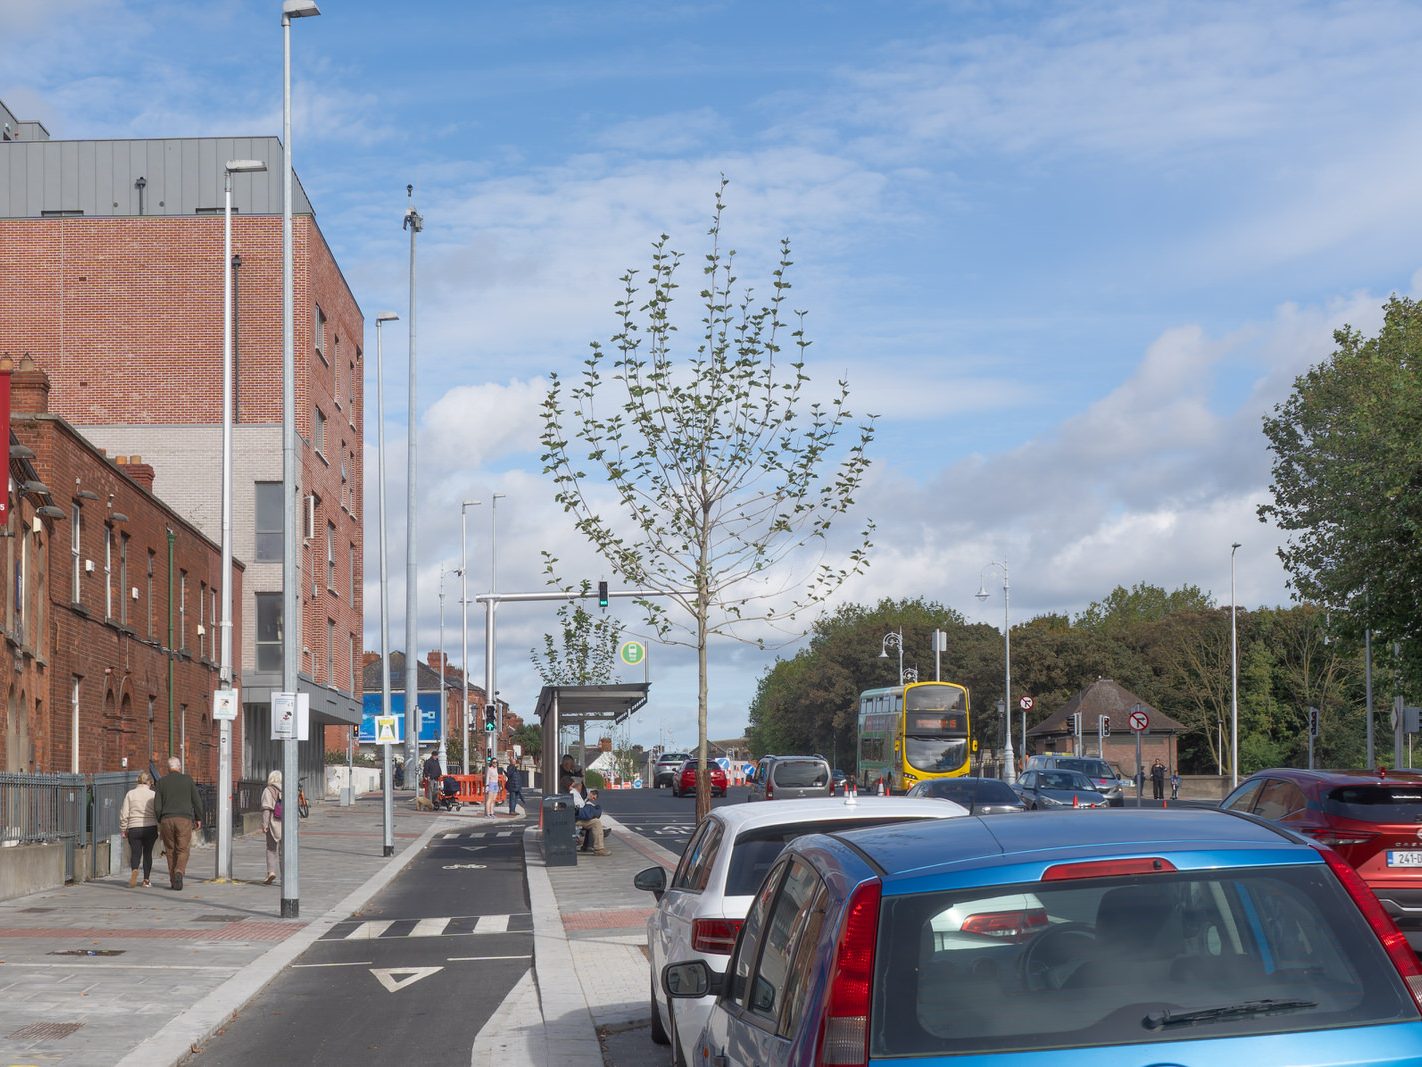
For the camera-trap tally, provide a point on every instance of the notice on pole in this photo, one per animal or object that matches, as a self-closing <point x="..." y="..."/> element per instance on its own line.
<point x="283" y="716"/>
<point x="224" y="705"/>
<point x="386" y="732"/>
<point x="632" y="652"/>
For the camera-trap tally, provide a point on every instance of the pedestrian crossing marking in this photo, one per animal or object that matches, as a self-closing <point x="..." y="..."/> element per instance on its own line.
<point x="441" y="926"/>
<point x="368" y="930"/>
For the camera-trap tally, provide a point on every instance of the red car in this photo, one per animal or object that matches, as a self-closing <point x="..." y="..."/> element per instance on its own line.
<point x="1373" y="819"/>
<point x="684" y="781"/>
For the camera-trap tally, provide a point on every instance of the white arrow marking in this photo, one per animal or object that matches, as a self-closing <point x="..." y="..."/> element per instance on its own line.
<point x="386" y="976"/>
<point x="472" y="848"/>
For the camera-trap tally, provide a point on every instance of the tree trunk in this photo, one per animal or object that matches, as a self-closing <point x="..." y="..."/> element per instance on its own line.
<point x="703" y="776"/>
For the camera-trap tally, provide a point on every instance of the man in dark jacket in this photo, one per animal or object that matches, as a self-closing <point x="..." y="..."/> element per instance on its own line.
<point x="513" y="785"/>
<point x="1157" y="780"/>
<point x="179" y="810"/>
<point x="433" y="773"/>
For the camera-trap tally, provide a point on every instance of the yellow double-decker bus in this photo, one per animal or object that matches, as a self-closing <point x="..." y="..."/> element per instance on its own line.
<point x="909" y="733"/>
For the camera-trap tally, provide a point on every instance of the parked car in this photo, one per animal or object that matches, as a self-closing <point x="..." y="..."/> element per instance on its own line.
<point x="1140" y="937"/>
<point x="1374" y="821"/>
<point x="1104" y="778"/>
<point x="1058" y="789"/>
<point x="699" y="912"/>
<point x="684" y="781"/>
<point x="664" y="770"/>
<point x="790" y="778"/>
<point x="981" y="796"/>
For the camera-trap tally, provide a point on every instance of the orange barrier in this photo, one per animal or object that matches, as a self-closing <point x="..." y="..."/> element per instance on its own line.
<point x="471" y="788"/>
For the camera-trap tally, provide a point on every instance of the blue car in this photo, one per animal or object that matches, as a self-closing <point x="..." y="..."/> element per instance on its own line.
<point x="1130" y="938"/>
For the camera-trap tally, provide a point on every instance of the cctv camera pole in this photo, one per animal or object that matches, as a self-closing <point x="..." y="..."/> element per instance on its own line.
<point x="414" y="223"/>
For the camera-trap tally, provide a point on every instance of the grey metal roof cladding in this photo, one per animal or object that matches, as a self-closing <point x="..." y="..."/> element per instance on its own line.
<point x="100" y="178"/>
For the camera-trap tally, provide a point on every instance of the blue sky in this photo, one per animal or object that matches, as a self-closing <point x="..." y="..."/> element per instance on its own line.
<point x="1069" y="253"/>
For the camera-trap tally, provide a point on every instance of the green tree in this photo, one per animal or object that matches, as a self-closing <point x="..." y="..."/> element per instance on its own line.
<point x="1142" y="603"/>
<point x="586" y="651"/>
<point x="1347" y="479"/>
<point x="722" y="470"/>
<point x="530" y="738"/>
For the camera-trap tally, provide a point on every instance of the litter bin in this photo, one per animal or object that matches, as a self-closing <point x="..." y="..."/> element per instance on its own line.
<point x="560" y="849"/>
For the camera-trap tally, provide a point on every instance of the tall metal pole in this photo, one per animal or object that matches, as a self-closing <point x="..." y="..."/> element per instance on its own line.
<point x="387" y="777"/>
<point x="291" y="486"/>
<point x="464" y="604"/>
<point x="1233" y="677"/>
<point x="1368" y="694"/>
<point x="494" y="588"/>
<point x="224" y="729"/>
<point x="1009" y="766"/>
<point x="489" y="665"/>
<point x="414" y="223"/>
<point x="443" y="662"/>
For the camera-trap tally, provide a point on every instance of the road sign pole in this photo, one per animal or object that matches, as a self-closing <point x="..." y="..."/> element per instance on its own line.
<point x="1140" y="776"/>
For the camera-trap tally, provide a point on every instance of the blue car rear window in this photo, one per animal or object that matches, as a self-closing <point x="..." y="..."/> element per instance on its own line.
<point x="1105" y="962"/>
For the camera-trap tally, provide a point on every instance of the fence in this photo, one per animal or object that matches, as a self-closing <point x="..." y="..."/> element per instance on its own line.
<point x="78" y="810"/>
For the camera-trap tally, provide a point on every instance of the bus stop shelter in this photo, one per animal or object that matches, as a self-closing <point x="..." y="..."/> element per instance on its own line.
<point x="578" y="705"/>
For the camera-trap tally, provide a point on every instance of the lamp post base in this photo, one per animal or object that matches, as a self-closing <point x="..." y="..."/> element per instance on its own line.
<point x="290" y="908"/>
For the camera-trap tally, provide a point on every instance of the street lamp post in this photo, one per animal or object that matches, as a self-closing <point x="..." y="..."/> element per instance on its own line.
<point x="443" y="726"/>
<point x="896" y="640"/>
<point x="492" y="667"/>
<point x="224" y="730"/>
<point x="387" y="789"/>
<point x="1233" y="678"/>
<point x="464" y="604"/>
<point x="414" y="223"/>
<point x="1009" y="771"/>
<point x="291" y="593"/>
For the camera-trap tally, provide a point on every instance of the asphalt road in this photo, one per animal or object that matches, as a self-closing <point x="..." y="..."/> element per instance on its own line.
<point x="413" y="977"/>
<point x="659" y="816"/>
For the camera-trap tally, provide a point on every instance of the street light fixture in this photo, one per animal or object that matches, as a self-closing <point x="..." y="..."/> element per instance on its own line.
<point x="414" y="223"/>
<point x="1009" y="772"/>
<point x="387" y="795"/>
<point x="1233" y="677"/>
<point x="224" y="676"/>
<point x="291" y="594"/>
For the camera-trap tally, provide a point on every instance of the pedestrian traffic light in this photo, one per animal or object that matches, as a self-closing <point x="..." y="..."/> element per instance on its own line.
<point x="602" y="594"/>
<point x="1105" y="725"/>
<point x="490" y="718"/>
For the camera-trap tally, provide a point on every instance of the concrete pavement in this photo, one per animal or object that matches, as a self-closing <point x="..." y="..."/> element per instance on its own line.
<point x="100" y="974"/>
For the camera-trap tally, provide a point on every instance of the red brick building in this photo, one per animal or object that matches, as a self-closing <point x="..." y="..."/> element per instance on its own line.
<point x="119" y="245"/>
<point x="113" y="629"/>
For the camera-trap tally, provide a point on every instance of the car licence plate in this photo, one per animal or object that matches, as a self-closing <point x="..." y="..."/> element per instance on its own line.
<point x="1410" y="858"/>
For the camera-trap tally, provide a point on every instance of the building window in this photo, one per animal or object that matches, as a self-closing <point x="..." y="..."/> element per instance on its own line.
<point x="320" y="332"/>
<point x="336" y="369"/>
<point x="76" y="540"/>
<point x="331" y="652"/>
<point x="216" y="625"/>
<point x="269" y="650"/>
<point x="318" y="432"/>
<point x="202" y="619"/>
<point x="108" y="571"/>
<point x="270" y="522"/>
<point x="74" y="725"/>
<point x="152" y="607"/>
<point x="331" y="556"/>
<point x="353" y="573"/>
<point x="123" y="579"/>
<point x="355" y="363"/>
<point x="182" y="609"/>
<point x="352" y="673"/>
<point x="17" y="603"/>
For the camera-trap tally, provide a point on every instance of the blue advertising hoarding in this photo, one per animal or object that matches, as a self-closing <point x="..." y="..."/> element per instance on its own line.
<point x="429" y="717"/>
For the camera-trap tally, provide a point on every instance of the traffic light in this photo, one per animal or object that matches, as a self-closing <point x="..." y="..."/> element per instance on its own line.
<point x="1312" y="722"/>
<point x="491" y="716"/>
<point x="1104" y="725"/>
<point x="1073" y="724"/>
<point x="602" y="594"/>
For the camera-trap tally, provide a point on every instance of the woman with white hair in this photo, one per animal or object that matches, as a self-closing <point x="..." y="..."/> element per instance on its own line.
<point x="138" y="821"/>
<point x="271" y="825"/>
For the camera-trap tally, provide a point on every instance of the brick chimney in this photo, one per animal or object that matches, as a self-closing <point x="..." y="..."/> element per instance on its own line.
<point x="29" y="387"/>
<point x="135" y="468"/>
<point x="367" y="658"/>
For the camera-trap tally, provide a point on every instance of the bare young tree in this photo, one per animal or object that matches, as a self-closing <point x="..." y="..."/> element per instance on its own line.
<point x="722" y="470"/>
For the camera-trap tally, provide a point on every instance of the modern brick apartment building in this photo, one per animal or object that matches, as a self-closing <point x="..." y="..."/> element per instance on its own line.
<point x="109" y="610"/>
<point x="114" y="254"/>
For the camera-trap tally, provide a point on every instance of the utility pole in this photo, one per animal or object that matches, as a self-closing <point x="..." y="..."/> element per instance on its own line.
<point x="490" y="667"/>
<point x="464" y="606"/>
<point x="414" y="223"/>
<point x="443" y="729"/>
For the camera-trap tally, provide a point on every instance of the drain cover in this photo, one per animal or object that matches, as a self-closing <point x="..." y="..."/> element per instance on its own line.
<point x="44" y="1031"/>
<point x="88" y="952"/>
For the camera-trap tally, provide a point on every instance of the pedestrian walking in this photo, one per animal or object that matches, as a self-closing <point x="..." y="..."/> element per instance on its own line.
<point x="138" y="821"/>
<point x="179" y="811"/>
<point x="513" y="785"/>
<point x="1157" y="780"/>
<point x="271" y="825"/>
<point x="433" y="773"/>
<point x="491" y="786"/>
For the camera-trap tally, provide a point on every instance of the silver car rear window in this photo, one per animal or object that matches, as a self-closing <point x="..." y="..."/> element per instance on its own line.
<point x="800" y="773"/>
<point x="1103" y="962"/>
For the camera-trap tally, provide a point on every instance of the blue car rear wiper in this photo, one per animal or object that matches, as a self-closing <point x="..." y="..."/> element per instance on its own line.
<point x="1249" y="1008"/>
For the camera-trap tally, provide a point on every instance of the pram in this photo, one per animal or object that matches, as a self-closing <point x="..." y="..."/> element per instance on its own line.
<point x="446" y="797"/>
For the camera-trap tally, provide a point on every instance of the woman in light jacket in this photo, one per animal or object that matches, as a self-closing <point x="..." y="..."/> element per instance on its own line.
<point x="138" y="821"/>
<point x="271" y="824"/>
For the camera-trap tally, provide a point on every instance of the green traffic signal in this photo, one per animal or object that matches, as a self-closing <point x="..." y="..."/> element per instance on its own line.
<point x="602" y="594"/>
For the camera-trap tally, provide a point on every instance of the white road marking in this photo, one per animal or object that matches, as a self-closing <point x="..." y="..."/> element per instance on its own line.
<point x="492" y="924"/>
<point x="475" y="959"/>
<point x="387" y="976"/>
<point x="428" y="928"/>
<point x="359" y="963"/>
<point x="369" y="930"/>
